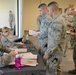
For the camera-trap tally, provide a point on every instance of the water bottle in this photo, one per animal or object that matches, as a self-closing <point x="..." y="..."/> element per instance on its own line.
<point x="27" y="37"/>
<point x="17" y="62"/>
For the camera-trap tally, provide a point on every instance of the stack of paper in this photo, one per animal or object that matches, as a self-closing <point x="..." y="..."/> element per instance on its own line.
<point x="29" y="55"/>
<point x="28" y="59"/>
<point x="34" y="33"/>
<point x="29" y="62"/>
<point x="13" y="48"/>
<point x="21" y="50"/>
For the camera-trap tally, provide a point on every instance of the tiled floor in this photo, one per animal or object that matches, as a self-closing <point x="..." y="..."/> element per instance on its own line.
<point x="67" y="62"/>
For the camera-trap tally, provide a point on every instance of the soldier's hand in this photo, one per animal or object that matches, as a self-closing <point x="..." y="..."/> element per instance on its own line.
<point x="37" y="30"/>
<point x="68" y="23"/>
<point x="13" y="53"/>
<point x="72" y="34"/>
<point x="20" y="43"/>
<point x="45" y="57"/>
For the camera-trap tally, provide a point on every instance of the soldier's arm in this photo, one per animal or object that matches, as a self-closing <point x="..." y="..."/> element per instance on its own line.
<point x="38" y="23"/>
<point x="5" y="41"/>
<point x="73" y="24"/>
<point x="72" y="21"/>
<point x="44" y="32"/>
<point x="4" y="49"/>
<point x="7" y="50"/>
<point x="10" y="43"/>
<point x="54" y="39"/>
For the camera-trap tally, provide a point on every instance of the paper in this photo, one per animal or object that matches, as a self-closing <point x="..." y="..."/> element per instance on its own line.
<point x="29" y="62"/>
<point x="25" y="62"/>
<point x="21" y="50"/>
<point x="28" y="55"/>
<point x="13" y="48"/>
<point x="68" y="32"/>
<point x="28" y="59"/>
<point x="34" y="33"/>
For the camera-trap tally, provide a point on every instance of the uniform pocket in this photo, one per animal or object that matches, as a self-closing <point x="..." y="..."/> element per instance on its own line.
<point x="52" y="66"/>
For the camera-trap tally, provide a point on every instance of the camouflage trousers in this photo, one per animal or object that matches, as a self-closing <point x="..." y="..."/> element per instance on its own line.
<point x="5" y="59"/>
<point x="74" y="55"/>
<point x="72" y="41"/>
<point x="53" y="65"/>
<point x="67" y="41"/>
<point x="41" y="52"/>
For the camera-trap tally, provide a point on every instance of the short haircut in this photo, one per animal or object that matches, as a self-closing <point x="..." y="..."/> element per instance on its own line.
<point x="5" y="28"/>
<point x="42" y="5"/>
<point x="66" y="9"/>
<point x="0" y="29"/>
<point x="54" y="5"/>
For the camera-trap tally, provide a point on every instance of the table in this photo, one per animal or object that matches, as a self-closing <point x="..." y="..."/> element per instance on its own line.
<point x="10" y="70"/>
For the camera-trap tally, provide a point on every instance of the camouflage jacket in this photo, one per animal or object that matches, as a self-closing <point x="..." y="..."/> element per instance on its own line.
<point x="39" y="19"/>
<point x="43" y="36"/>
<point x="68" y="18"/>
<point x="6" y="42"/>
<point x="56" y="36"/>
<point x="4" y="49"/>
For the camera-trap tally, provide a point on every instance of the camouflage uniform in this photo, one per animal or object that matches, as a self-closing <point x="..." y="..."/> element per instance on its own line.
<point x="73" y="27"/>
<point x="4" y="59"/>
<point x="70" y="19"/>
<point x="4" y="49"/>
<point x="56" y="37"/>
<point x="6" y="42"/>
<point x="11" y="20"/>
<point x="68" y="28"/>
<point x="74" y="40"/>
<point x="39" y="19"/>
<point x="43" y="36"/>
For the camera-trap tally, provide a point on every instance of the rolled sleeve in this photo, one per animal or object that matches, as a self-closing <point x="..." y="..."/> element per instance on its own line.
<point x="4" y="49"/>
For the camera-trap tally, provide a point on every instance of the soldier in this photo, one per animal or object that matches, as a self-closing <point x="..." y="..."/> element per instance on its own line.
<point x="11" y="19"/>
<point x="7" y="39"/>
<point x="7" y="33"/>
<point x="56" y="37"/>
<point x="45" y="22"/>
<point x="68" y="19"/>
<point x="5" y="60"/>
<point x="73" y="34"/>
<point x="43" y="10"/>
<point x="6" y="42"/>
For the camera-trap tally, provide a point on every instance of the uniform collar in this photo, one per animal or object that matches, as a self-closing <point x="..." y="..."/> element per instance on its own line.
<point x="55" y="17"/>
<point x="44" y="16"/>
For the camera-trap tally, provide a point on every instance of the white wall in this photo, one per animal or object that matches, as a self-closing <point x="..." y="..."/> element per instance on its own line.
<point x="30" y="11"/>
<point x="5" y="6"/>
<point x="62" y="3"/>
